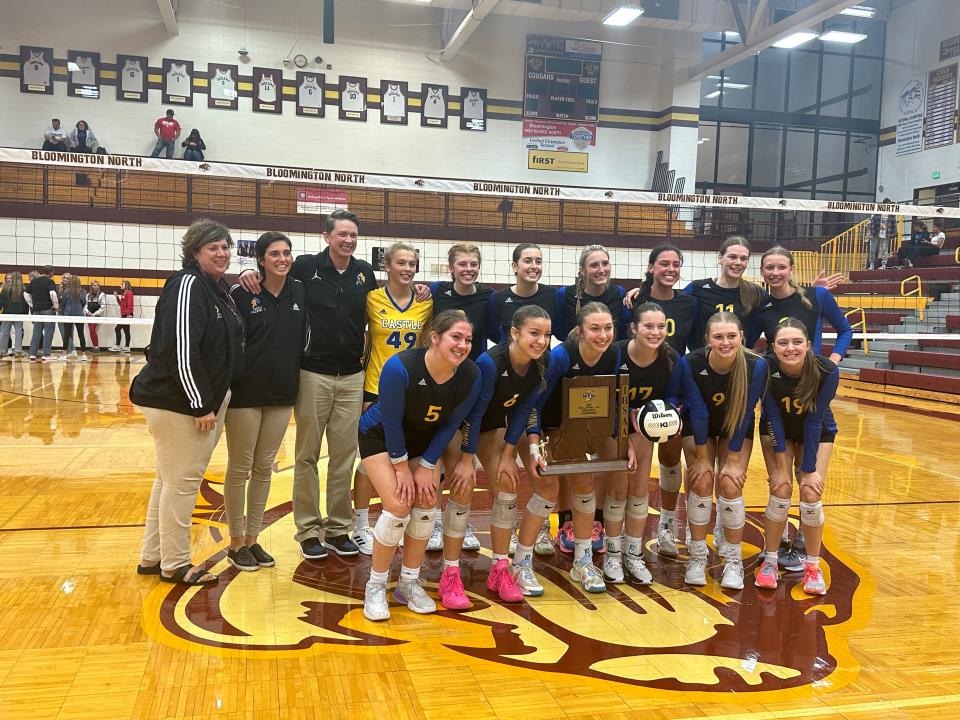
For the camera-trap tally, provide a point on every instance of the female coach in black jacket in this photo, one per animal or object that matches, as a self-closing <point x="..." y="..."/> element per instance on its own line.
<point x="263" y="395"/>
<point x="183" y="391"/>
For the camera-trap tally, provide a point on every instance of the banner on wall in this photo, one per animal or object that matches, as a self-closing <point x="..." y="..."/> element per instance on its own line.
<point x="342" y="178"/>
<point x="910" y="120"/>
<point x="320" y="201"/>
<point x="950" y="48"/>
<point x="559" y="136"/>
<point x="941" y="107"/>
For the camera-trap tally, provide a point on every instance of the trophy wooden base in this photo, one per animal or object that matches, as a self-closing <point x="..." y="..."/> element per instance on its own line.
<point x="598" y="466"/>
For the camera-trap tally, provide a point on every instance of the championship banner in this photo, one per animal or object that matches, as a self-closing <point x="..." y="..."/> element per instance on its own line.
<point x="559" y="136"/>
<point x="910" y="121"/>
<point x="276" y="173"/>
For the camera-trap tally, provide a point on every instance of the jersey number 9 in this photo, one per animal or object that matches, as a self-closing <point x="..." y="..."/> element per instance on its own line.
<point x="409" y="338"/>
<point x="512" y="401"/>
<point x="718" y="399"/>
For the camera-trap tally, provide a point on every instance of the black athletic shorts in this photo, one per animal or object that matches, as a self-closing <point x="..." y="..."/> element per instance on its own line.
<point x="826" y="434"/>
<point x="369" y="397"/>
<point x="373" y="442"/>
<point x="713" y="431"/>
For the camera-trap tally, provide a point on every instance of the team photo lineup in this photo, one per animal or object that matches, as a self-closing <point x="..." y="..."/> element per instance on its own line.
<point x="428" y="383"/>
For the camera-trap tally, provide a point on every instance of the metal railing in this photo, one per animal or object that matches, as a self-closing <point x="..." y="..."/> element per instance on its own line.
<point x="917" y="291"/>
<point x="848" y="250"/>
<point x="862" y="324"/>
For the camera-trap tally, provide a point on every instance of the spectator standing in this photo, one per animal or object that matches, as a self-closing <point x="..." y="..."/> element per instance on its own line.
<point x="96" y="307"/>
<point x="73" y="301"/>
<point x="12" y="303"/>
<point x="54" y="137"/>
<point x="193" y="146"/>
<point x="82" y="139"/>
<point x="167" y="131"/>
<point x="41" y="296"/>
<point x="124" y="298"/>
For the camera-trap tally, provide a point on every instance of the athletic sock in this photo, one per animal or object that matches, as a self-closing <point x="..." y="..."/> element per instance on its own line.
<point x="449" y="563"/>
<point x="523" y="555"/>
<point x="813" y="560"/>
<point x="498" y="557"/>
<point x="583" y="550"/>
<point x="379" y="577"/>
<point x="409" y="574"/>
<point x="362" y="518"/>
<point x="667" y="516"/>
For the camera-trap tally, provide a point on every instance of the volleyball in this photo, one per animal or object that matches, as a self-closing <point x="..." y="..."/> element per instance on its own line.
<point x="658" y="421"/>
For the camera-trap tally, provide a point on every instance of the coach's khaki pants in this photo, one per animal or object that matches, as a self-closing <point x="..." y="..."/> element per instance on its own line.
<point x="325" y="404"/>
<point x="183" y="453"/>
<point x="254" y="435"/>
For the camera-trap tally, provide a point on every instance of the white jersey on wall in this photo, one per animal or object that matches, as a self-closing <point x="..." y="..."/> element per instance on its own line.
<point x="267" y="89"/>
<point x="178" y="81"/>
<point x="36" y="70"/>
<point x="131" y="77"/>
<point x="394" y="103"/>
<point x="86" y="72"/>
<point x="223" y="86"/>
<point x="310" y="94"/>
<point x="473" y="106"/>
<point x="353" y="100"/>
<point x="434" y="105"/>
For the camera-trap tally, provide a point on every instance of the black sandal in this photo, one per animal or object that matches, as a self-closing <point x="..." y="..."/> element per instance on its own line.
<point x="179" y="577"/>
<point x="148" y="569"/>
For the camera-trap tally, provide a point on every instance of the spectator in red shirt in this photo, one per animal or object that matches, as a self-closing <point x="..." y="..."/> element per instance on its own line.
<point x="167" y="131"/>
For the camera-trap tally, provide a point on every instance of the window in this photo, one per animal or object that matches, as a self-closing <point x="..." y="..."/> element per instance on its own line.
<point x="804" y="72"/>
<point x="835" y="85"/>
<point x="707" y="152"/>
<point x="732" y="155"/>
<point x="798" y="163"/>
<point x="767" y="146"/>
<point x="867" y="82"/>
<point x="771" y="79"/>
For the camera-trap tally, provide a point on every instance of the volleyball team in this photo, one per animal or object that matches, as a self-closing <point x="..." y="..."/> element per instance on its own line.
<point x="403" y="373"/>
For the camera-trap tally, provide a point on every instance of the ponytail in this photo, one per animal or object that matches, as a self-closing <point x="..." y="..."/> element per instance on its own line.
<point x="738" y="380"/>
<point x="581" y="275"/>
<point x="809" y="383"/>
<point x="663" y="350"/>
<point x="530" y="312"/>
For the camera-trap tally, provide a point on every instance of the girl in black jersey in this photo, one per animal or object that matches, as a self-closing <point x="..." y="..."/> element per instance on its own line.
<point x="423" y="397"/>
<point x="797" y="431"/>
<point x="593" y="285"/>
<point x="682" y="316"/>
<point x="721" y="385"/>
<point x="654" y="370"/>
<point x="588" y="351"/>
<point x="528" y="269"/>
<point x="512" y="374"/>
<point x="463" y="292"/>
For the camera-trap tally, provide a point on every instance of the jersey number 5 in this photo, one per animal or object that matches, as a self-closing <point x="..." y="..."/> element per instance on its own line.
<point x="394" y="340"/>
<point x="433" y="413"/>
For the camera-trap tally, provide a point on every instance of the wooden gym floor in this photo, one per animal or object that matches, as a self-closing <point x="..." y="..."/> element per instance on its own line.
<point x="85" y="637"/>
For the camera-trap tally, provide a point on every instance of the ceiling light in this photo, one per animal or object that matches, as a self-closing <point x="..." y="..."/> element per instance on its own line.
<point x="727" y="85"/>
<point x="623" y="15"/>
<point x="731" y="35"/>
<point x="714" y="77"/>
<point x="840" y="36"/>
<point x="862" y="11"/>
<point x="796" y="39"/>
<point x="710" y="96"/>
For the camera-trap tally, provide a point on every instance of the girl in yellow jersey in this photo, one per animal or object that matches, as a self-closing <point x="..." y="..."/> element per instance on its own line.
<point x="395" y="320"/>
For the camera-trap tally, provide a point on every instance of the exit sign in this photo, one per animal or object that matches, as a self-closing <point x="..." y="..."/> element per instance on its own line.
<point x="935" y="174"/>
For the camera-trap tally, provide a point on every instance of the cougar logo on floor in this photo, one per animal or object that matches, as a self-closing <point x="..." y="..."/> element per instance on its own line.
<point x="666" y="636"/>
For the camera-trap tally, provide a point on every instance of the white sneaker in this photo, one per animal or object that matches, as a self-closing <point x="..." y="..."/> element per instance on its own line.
<point x="544" y="542"/>
<point x="412" y="594"/>
<point x="732" y="575"/>
<point x="114" y="348"/>
<point x="612" y="568"/>
<point x="364" y="540"/>
<point x="84" y="358"/>
<point x="435" y="542"/>
<point x="375" y="605"/>
<point x="696" y="573"/>
<point x="513" y="543"/>
<point x="125" y="349"/>
<point x="589" y="577"/>
<point x="666" y="539"/>
<point x="72" y="355"/>
<point x="719" y="539"/>
<point x="470" y="541"/>
<point x="525" y="579"/>
<point x="636" y="569"/>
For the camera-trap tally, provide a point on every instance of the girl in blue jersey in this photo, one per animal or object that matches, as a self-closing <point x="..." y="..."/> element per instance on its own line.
<point x="593" y="286"/>
<point x="423" y="397"/>
<point x="808" y="305"/>
<point x="512" y="374"/>
<point x="527" y="267"/>
<point x="797" y="431"/>
<point x="588" y="351"/>
<point x="721" y="385"/>
<point x="654" y="370"/>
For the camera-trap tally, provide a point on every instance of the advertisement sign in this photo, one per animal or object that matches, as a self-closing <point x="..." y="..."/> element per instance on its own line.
<point x="559" y="136"/>
<point x="320" y="201"/>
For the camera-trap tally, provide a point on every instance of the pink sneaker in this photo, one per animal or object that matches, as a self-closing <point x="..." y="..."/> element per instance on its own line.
<point x="598" y="539"/>
<point x="767" y="577"/>
<point x="500" y="582"/>
<point x="813" y="583"/>
<point x="450" y="590"/>
<point x="564" y="539"/>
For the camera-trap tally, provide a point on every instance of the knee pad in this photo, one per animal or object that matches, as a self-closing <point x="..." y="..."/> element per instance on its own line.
<point x="637" y="507"/>
<point x="455" y="518"/>
<point x="503" y="515"/>
<point x="421" y="523"/>
<point x="586" y="503"/>
<point x="778" y="509"/>
<point x="670" y="478"/>
<point x="540" y="506"/>
<point x="732" y="513"/>
<point x="698" y="509"/>
<point x="389" y="528"/>
<point x="613" y="509"/>
<point x="811" y="514"/>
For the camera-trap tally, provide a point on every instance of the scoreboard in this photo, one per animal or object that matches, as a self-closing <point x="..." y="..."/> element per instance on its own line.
<point x="562" y="79"/>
